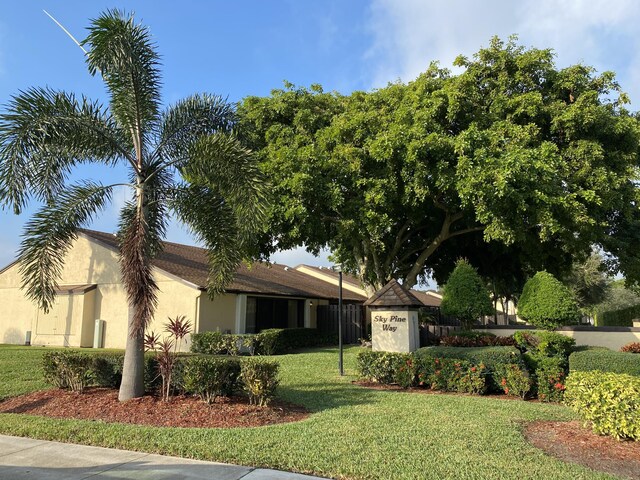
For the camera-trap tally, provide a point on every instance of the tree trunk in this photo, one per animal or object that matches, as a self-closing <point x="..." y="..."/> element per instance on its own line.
<point x="132" y="385"/>
<point x="140" y="286"/>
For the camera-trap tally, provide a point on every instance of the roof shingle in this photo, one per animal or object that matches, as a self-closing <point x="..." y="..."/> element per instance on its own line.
<point x="393" y="295"/>
<point x="190" y="264"/>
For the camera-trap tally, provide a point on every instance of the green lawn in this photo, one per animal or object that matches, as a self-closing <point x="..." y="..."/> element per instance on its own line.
<point x="353" y="432"/>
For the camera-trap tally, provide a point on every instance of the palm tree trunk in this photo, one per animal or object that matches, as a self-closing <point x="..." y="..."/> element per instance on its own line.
<point x="132" y="385"/>
<point x="141" y="292"/>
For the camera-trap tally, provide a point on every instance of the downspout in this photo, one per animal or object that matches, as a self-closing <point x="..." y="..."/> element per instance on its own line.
<point x="196" y="318"/>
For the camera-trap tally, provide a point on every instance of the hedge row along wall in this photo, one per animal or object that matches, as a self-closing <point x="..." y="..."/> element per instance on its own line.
<point x="618" y="318"/>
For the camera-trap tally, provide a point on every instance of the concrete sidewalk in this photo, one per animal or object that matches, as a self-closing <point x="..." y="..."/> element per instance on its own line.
<point x="24" y="458"/>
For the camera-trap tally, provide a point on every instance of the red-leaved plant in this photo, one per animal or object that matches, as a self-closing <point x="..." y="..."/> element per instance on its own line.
<point x="633" y="347"/>
<point x="167" y="349"/>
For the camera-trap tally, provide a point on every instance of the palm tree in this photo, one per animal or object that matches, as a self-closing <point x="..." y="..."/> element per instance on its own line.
<point x="182" y="160"/>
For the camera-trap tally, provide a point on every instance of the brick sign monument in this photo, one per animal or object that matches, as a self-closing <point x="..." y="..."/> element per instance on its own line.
<point x="394" y="319"/>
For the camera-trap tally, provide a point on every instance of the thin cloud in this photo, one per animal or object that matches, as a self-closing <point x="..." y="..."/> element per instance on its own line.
<point x="409" y="34"/>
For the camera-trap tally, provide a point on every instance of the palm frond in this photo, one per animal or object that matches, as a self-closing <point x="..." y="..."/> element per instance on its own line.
<point x="49" y="235"/>
<point x="219" y="162"/>
<point x="214" y="224"/>
<point x="183" y="123"/>
<point x="125" y="55"/>
<point x="43" y="133"/>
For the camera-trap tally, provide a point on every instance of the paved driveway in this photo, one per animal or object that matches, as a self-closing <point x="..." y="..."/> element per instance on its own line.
<point x="24" y="458"/>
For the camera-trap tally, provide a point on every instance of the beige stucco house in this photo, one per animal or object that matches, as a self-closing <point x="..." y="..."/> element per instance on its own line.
<point x="260" y="297"/>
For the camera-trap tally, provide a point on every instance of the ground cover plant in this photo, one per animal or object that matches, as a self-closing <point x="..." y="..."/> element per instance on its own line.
<point x="379" y="432"/>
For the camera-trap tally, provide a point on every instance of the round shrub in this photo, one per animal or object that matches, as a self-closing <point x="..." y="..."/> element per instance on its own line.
<point x="547" y="303"/>
<point x="465" y="295"/>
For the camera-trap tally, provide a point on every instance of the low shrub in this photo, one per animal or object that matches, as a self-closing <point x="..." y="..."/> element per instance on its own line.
<point x="514" y="379"/>
<point x="259" y="379"/>
<point x="405" y="375"/>
<point x="107" y="369"/>
<point x="68" y="369"/>
<point x="490" y="357"/>
<point x="384" y="367"/>
<point x="473" y="334"/>
<point x="273" y="341"/>
<point x="633" y="347"/>
<point x="478" y="340"/>
<point x="277" y="341"/>
<point x="474" y="380"/>
<point x="209" y="343"/>
<point x="605" y="361"/>
<point x="549" y="374"/>
<point x="210" y="377"/>
<point x="609" y="401"/>
<point x="545" y="343"/>
<point x="452" y="375"/>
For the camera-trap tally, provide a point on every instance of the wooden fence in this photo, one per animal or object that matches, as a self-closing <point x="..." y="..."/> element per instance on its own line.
<point x="353" y="328"/>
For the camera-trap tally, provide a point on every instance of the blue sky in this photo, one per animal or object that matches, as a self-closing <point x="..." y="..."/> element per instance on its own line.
<point x="244" y="48"/>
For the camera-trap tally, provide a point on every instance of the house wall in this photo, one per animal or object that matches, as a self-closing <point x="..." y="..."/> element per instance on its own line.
<point x="609" y="337"/>
<point x="87" y="262"/>
<point x="218" y="314"/>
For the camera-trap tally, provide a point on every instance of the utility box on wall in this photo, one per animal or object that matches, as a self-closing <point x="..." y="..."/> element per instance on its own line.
<point x="394" y="319"/>
<point x="98" y="334"/>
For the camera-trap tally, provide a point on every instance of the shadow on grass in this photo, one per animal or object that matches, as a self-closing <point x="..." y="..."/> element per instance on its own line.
<point x="327" y="397"/>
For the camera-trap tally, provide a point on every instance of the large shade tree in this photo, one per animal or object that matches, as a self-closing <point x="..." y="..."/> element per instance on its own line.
<point x="513" y="148"/>
<point x="183" y="160"/>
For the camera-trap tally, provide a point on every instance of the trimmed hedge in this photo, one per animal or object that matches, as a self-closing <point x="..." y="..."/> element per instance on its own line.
<point x="273" y="341"/>
<point x="210" y="377"/>
<point x="546" y="303"/>
<point x="477" y="340"/>
<point x="491" y="357"/>
<point x="618" y="318"/>
<point x="549" y="375"/>
<point x="610" y="401"/>
<point x="384" y="367"/>
<point x="68" y="369"/>
<point x="203" y="375"/>
<point x="547" y="344"/>
<point x="452" y="375"/>
<point x="605" y="361"/>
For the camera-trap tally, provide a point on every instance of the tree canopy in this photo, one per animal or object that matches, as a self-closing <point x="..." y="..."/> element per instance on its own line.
<point x="513" y="149"/>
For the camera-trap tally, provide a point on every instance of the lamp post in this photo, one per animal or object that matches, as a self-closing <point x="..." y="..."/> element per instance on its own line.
<point x="338" y="268"/>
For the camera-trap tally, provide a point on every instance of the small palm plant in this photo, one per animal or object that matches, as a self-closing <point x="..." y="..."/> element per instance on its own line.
<point x="183" y="160"/>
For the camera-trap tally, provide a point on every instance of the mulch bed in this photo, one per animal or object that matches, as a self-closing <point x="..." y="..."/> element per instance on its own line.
<point x="572" y="442"/>
<point x="180" y="411"/>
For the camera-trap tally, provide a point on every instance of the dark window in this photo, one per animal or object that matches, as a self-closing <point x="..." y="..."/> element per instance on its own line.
<point x="265" y="312"/>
